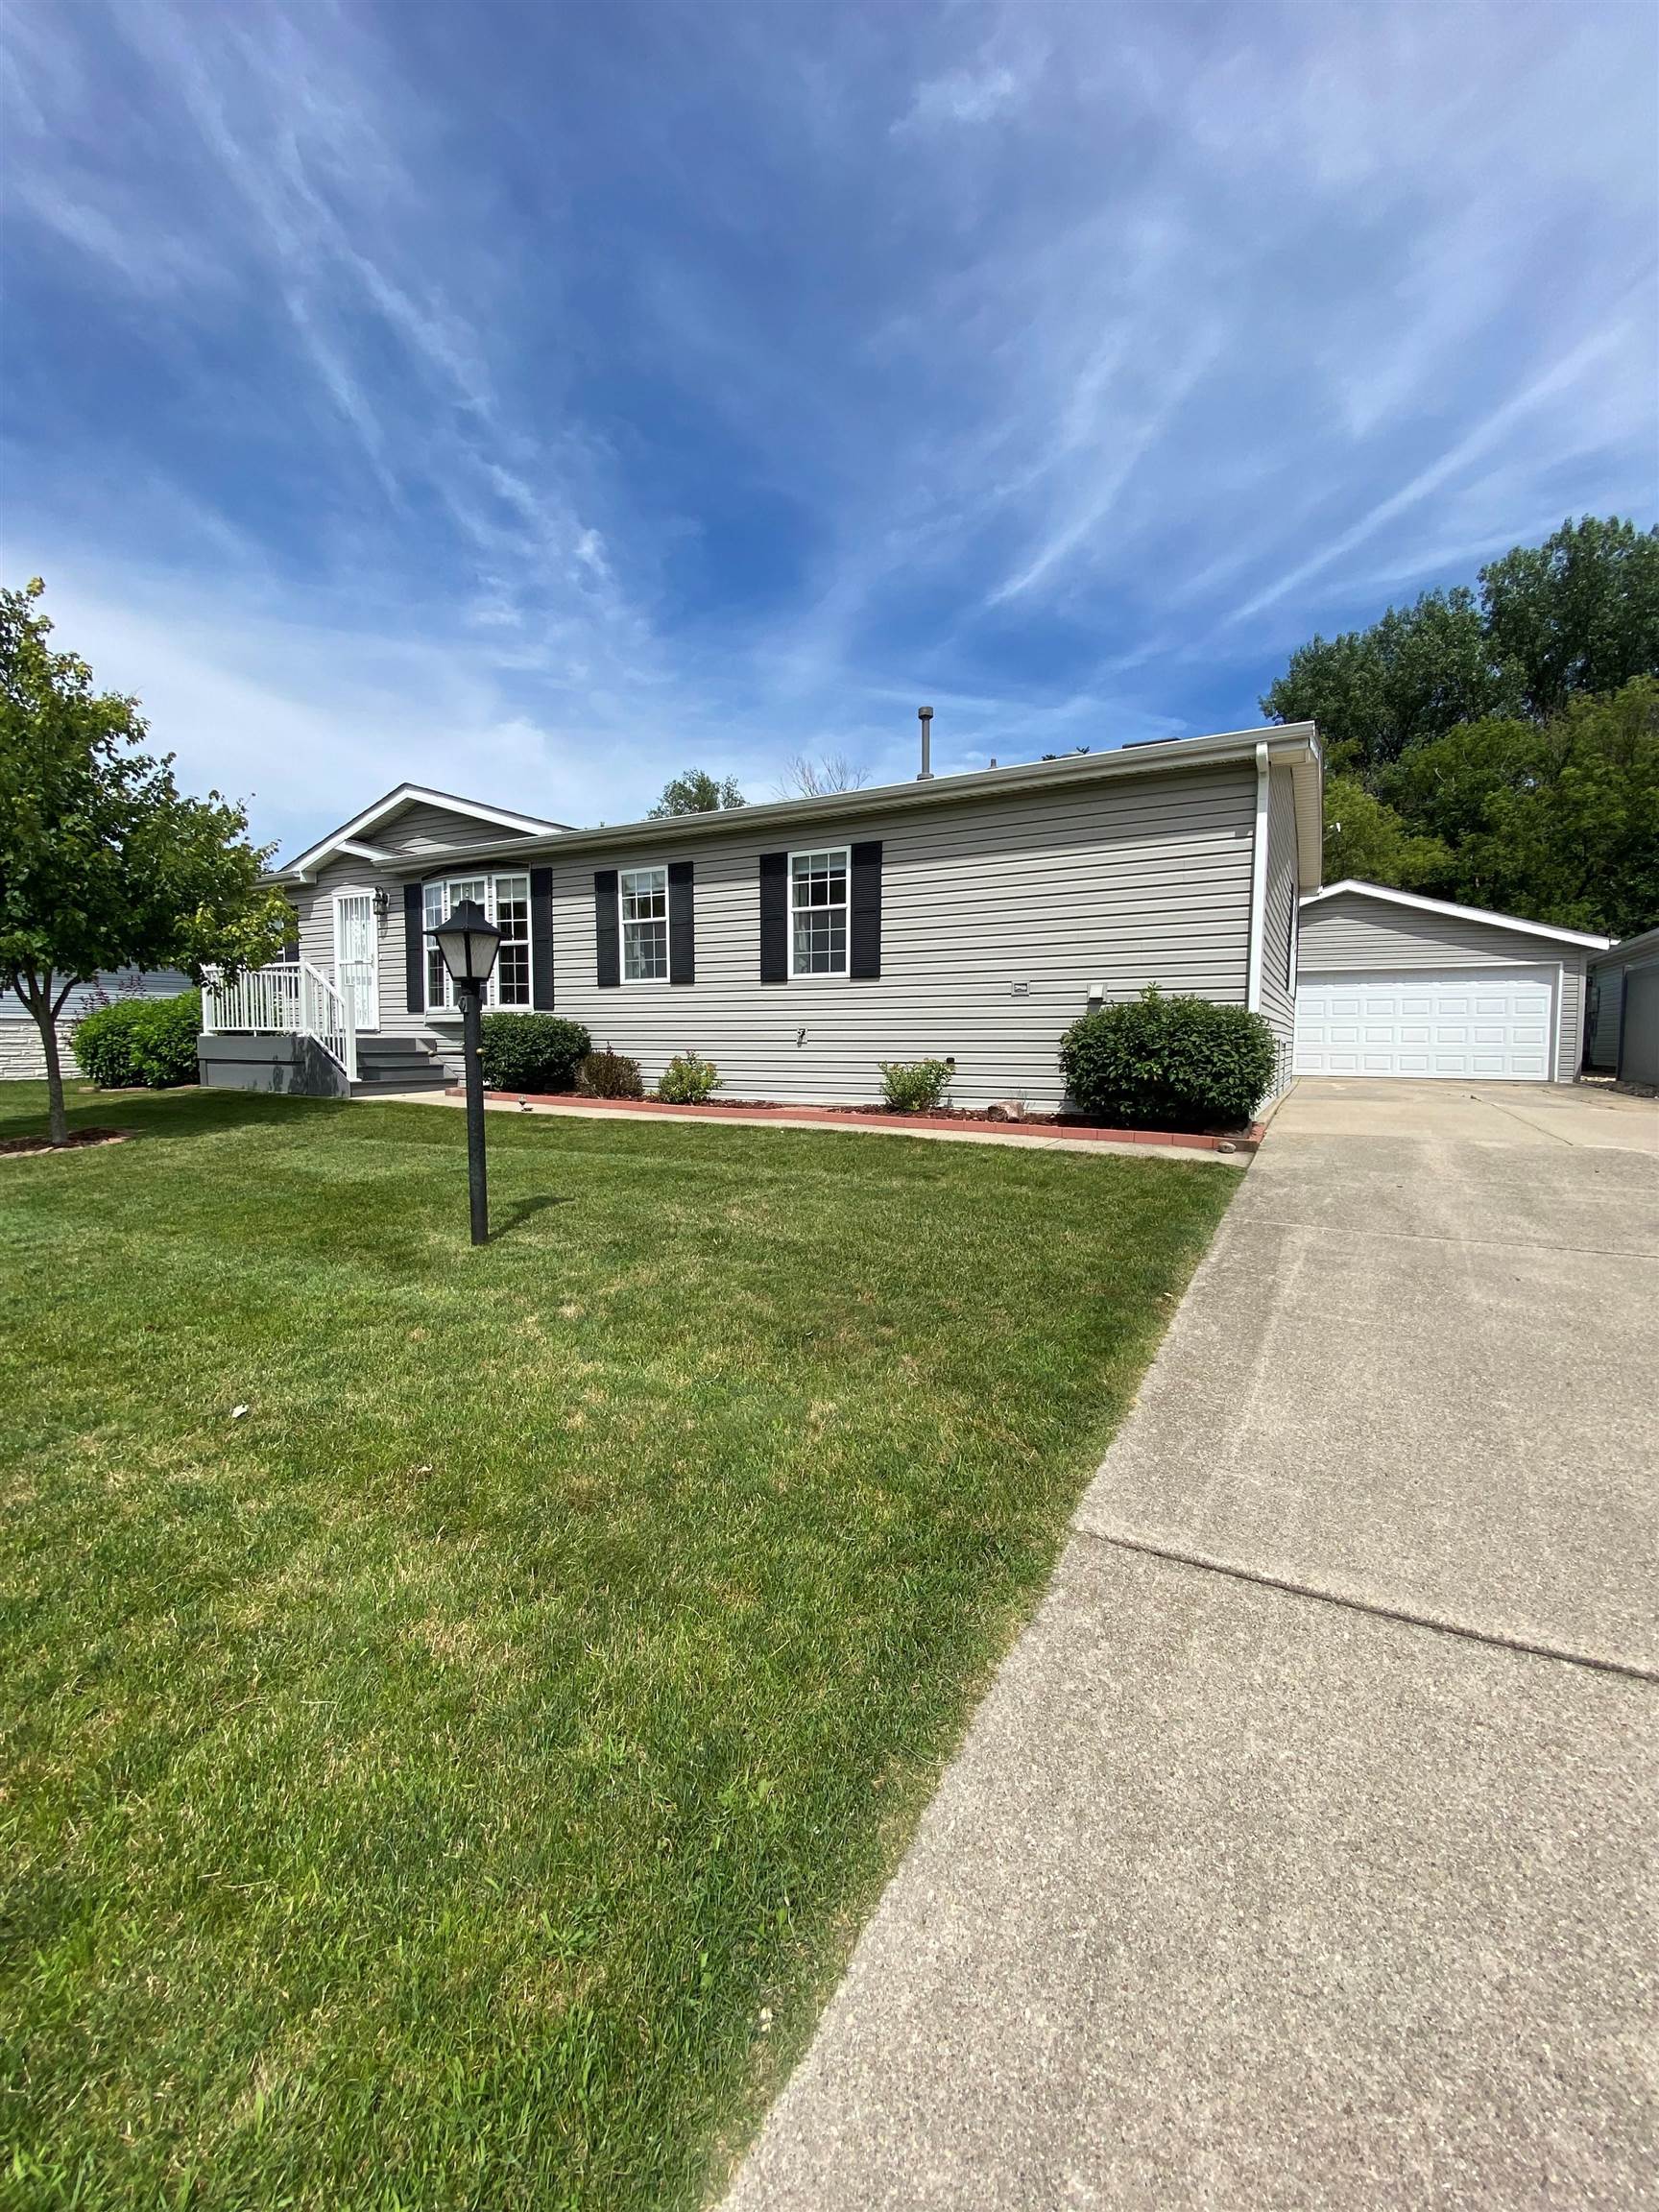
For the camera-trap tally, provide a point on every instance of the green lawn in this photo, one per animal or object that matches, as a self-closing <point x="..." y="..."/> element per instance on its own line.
<point x="457" y="1781"/>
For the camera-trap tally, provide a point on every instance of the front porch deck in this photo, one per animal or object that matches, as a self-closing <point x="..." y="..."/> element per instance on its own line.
<point x="291" y="1028"/>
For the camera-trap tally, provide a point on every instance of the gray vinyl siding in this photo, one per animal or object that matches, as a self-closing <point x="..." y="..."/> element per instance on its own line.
<point x="1351" y="936"/>
<point x="1278" y="967"/>
<point x="1625" y="1038"/>
<point x="418" y="829"/>
<point x="20" y="1050"/>
<point x="1147" y="880"/>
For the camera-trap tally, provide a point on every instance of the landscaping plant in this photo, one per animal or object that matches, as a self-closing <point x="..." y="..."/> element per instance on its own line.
<point x="1161" y="1063"/>
<point x="913" y="1086"/>
<point x="609" y="1075"/>
<point x="104" y="861"/>
<point x="532" y="1051"/>
<point x="141" y="1042"/>
<point x="689" y="1080"/>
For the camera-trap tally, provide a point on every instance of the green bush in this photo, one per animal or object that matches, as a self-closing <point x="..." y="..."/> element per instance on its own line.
<point x="913" y="1086"/>
<point x="610" y="1074"/>
<point x="141" y="1042"/>
<point x="687" y="1080"/>
<point x="1168" y="1064"/>
<point x="531" y="1051"/>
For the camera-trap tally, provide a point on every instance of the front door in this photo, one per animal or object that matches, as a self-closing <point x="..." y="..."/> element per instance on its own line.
<point x="357" y="956"/>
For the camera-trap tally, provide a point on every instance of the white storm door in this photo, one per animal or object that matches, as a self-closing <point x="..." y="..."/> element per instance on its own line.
<point x="357" y="956"/>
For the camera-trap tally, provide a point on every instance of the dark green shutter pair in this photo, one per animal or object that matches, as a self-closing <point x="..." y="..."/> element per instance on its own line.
<point x="864" y="916"/>
<point x="540" y="940"/>
<point x="608" y="926"/>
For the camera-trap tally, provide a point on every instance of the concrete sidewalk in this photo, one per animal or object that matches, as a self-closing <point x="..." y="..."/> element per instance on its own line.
<point x="1283" y="1866"/>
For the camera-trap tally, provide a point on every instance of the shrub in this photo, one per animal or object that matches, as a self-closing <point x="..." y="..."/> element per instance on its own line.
<point x="687" y="1080"/>
<point x="913" y="1086"/>
<point x="148" y="1042"/>
<point x="164" y="1042"/>
<point x="1168" y="1063"/>
<point x="610" y="1074"/>
<point x="531" y="1051"/>
<point x="104" y="1044"/>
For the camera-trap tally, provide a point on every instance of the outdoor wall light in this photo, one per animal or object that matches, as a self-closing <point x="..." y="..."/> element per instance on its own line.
<point x="382" y="903"/>
<point x="468" y="941"/>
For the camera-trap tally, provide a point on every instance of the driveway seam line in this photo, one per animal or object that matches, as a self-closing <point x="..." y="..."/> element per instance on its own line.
<point x="1350" y="1235"/>
<point x="1498" y="1639"/>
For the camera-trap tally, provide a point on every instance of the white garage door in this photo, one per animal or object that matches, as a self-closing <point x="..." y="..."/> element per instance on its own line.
<point x="1497" y="1025"/>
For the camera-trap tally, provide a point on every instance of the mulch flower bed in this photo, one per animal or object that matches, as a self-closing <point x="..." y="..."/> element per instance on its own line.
<point x="24" y="1148"/>
<point x="951" y="1118"/>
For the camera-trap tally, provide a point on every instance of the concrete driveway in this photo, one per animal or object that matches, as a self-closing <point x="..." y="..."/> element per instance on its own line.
<point x="1301" y="1854"/>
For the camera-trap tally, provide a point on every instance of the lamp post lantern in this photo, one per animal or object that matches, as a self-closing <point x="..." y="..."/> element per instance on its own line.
<point x="468" y="941"/>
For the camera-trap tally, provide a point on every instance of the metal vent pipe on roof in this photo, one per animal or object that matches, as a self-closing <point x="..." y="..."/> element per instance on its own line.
<point x="925" y="715"/>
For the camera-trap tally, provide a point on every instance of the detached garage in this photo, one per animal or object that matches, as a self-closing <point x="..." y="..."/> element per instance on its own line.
<point x="1388" y="983"/>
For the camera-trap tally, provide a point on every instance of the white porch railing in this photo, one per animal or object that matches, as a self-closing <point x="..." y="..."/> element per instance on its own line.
<point x="291" y="997"/>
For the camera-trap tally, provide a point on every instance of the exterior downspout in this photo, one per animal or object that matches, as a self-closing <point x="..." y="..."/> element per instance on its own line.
<point x="1257" y="884"/>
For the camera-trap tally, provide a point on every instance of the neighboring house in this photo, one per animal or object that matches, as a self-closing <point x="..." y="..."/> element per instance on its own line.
<point x="968" y="916"/>
<point x="1624" y="1018"/>
<point x="20" y="1050"/>
<point x="1394" y="984"/>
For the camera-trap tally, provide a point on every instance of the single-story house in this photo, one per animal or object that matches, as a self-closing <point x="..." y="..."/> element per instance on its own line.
<point x="970" y="918"/>
<point x="1390" y="983"/>
<point x="1623" y="1019"/>
<point x="20" y="1050"/>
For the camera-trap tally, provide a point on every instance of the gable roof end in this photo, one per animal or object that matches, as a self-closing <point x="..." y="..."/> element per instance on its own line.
<point x="1353" y="887"/>
<point x="342" y="839"/>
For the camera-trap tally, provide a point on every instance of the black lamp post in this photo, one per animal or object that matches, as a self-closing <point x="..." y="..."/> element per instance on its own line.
<point x="468" y="941"/>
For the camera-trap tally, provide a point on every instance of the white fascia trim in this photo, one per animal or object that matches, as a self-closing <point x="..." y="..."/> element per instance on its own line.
<point x="360" y="852"/>
<point x="1259" y="881"/>
<point x="1362" y="890"/>
<point x="414" y="794"/>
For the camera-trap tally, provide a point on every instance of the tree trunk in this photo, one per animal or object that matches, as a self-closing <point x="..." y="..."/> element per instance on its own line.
<point x="56" y="1120"/>
<point x="37" y="993"/>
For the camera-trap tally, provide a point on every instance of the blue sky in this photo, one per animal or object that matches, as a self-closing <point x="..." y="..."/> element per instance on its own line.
<point x="536" y="401"/>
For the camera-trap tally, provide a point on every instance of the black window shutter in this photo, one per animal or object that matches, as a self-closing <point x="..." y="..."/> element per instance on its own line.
<point x="682" y="925"/>
<point x="607" y="928"/>
<point x="541" y="937"/>
<point x="415" y="945"/>
<point x="774" y="917"/>
<point x="864" y="946"/>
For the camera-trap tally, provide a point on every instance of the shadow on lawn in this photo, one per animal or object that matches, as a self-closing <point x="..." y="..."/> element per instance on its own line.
<point x="523" y="1210"/>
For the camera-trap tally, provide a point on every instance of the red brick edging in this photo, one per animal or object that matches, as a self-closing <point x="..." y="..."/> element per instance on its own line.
<point x="954" y="1125"/>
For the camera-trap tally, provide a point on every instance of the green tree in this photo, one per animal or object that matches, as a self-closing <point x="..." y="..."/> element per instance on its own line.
<point x="1413" y="675"/>
<point x="696" y="792"/>
<point x="104" y="863"/>
<point x="1367" y="839"/>
<point x="1555" y="821"/>
<point x="1578" y="613"/>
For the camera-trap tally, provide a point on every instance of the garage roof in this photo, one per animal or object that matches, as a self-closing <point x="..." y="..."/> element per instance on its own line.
<point x="1353" y="887"/>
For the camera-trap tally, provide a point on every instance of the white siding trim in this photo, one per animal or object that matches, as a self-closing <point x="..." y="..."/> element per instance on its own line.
<point x="1258" y="883"/>
<point x="1353" y="887"/>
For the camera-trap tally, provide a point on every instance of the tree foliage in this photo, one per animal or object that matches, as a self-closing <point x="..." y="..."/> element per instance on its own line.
<point x="103" y="862"/>
<point x="696" y="792"/>
<point x="1501" y="747"/>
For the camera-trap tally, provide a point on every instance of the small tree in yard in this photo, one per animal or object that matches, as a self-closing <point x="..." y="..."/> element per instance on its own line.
<point x="103" y="862"/>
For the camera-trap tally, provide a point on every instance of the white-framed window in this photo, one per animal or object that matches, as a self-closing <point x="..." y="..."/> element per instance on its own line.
<point x="505" y="900"/>
<point x="510" y="985"/>
<point x="643" y="897"/>
<point x="818" y="911"/>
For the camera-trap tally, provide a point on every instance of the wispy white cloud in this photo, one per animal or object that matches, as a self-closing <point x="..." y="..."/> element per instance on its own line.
<point x="657" y="384"/>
